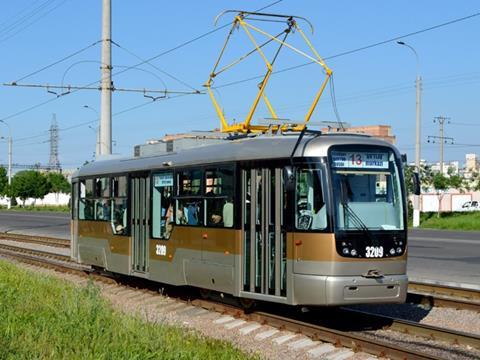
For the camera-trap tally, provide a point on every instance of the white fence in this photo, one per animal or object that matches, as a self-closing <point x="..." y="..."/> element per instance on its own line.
<point x="49" y="199"/>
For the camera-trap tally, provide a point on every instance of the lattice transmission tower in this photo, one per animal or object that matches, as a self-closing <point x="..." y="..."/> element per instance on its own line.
<point x="54" y="162"/>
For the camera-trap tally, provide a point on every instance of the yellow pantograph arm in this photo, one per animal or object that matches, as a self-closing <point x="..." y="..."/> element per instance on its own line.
<point x="248" y="119"/>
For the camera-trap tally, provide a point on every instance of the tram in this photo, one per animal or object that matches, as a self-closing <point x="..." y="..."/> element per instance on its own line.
<point x="318" y="219"/>
<point x="267" y="212"/>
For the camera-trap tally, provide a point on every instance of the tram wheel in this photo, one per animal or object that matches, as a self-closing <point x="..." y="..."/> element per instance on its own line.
<point x="205" y="294"/>
<point x="247" y="304"/>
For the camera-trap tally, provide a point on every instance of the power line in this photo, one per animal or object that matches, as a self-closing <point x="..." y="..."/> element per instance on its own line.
<point x="134" y="66"/>
<point x="188" y="42"/>
<point x="57" y="62"/>
<point x="155" y="67"/>
<point x="32" y="22"/>
<point x="366" y="47"/>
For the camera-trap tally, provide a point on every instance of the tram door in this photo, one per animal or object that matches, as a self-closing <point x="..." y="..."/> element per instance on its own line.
<point x="264" y="250"/>
<point x="140" y="220"/>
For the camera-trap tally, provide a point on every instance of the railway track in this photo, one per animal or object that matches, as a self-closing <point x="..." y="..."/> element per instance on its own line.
<point x="445" y="296"/>
<point x="55" y="242"/>
<point x="426" y="293"/>
<point x="358" y="341"/>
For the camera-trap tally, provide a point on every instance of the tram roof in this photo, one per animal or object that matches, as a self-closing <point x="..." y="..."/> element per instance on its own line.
<point x="262" y="147"/>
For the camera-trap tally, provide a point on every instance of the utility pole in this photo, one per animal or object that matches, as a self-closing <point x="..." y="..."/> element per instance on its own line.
<point x="106" y="73"/>
<point x="9" y="160"/>
<point x="418" y="121"/>
<point x="441" y="139"/>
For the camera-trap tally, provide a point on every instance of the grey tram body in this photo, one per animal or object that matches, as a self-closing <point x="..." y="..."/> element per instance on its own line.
<point x="307" y="282"/>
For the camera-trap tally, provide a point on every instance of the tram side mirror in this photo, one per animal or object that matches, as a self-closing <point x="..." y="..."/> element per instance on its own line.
<point x="416" y="183"/>
<point x="289" y="178"/>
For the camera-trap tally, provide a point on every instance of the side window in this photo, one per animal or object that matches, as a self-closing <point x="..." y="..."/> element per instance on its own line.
<point x="74" y="200"/>
<point x="86" y="202"/>
<point x="119" y="206"/>
<point x="189" y="206"/>
<point x="162" y="205"/>
<point x="219" y="197"/>
<point x="310" y="212"/>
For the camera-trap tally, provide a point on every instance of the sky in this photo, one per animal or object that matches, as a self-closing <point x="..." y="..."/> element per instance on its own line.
<point x="374" y="78"/>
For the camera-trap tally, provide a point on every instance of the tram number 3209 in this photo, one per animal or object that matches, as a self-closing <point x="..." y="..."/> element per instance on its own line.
<point x="374" y="251"/>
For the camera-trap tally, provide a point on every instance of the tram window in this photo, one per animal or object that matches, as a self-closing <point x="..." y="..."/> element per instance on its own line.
<point x="74" y="201"/>
<point x="189" y="182"/>
<point x="119" y="216"/>
<point x="119" y="186"/>
<point x="189" y="212"/>
<point x="102" y="187"/>
<point x="102" y="209"/>
<point x="162" y="205"/>
<point x="219" y="197"/>
<point x="89" y="193"/>
<point x="310" y="213"/>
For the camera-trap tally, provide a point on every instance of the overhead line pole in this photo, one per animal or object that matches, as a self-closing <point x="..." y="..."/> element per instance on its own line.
<point x="9" y="160"/>
<point x="442" y="139"/>
<point x="106" y="72"/>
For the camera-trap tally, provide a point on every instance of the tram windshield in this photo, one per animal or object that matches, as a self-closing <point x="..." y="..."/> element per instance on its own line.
<point x="367" y="190"/>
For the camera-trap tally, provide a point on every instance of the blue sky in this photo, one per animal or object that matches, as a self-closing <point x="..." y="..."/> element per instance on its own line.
<point x="373" y="86"/>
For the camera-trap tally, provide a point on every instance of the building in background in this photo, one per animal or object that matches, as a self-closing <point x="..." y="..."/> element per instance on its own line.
<point x="383" y="132"/>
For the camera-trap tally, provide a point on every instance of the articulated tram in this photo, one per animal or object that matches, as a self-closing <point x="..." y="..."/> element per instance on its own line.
<point x="318" y="219"/>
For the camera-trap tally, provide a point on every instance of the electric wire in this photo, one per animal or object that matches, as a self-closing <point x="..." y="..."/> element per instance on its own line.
<point x="32" y="22"/>
<point x="134" y="66"/>
<point x="153" y="66"/>
<point x="58" y="61"/>
<point x="188" y="42"/>
<point x="366" y="47"/>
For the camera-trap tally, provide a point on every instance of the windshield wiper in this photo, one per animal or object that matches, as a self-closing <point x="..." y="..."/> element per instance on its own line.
<point x="359" y="224"/>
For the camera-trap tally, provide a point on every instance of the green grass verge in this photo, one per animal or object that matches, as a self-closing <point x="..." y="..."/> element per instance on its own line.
<point x="57" y="208"/>
<point x="45" y="318"/>
<point x="451" y="221"/>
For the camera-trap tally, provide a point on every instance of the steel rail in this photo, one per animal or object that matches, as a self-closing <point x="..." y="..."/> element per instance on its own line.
<point x="338" y="338"/>
<point x="356" y="341"/>
<point x="446" y="296"/>
<point x="426" y="331"/>
<point x="56" y="242"/>
<point x="39" y="253"/>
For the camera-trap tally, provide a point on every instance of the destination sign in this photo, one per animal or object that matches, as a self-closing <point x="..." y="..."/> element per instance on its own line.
<point x="360" y="160"/>
<point x="163" y="180"/>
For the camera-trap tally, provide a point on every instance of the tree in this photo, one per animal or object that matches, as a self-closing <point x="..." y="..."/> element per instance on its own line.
<point x="442" y="183"/>
<point x="57" y="183"/>
<point x="3" y="182"/>
<point x="29" y="184"/>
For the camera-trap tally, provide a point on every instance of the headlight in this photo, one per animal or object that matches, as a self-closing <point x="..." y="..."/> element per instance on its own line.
<point x="353" y="252"/>
<point x="392" y="251"/>
<point x="345" y="251"/>
<point x="399" y="250"/>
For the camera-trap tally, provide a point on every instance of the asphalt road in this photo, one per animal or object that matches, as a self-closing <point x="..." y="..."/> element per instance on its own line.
<point x="434" y="255"/>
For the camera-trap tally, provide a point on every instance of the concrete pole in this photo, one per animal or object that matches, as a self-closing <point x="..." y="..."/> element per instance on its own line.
<point x="418" y="126"/>
<point x="106" y="73"/>
<point x="416" y="198"/>
<point x="9" y="205"/>
<point x="441" y="122"/>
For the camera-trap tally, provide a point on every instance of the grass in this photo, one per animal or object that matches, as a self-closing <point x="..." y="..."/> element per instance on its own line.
<point x="45" y="318"/>
<point x="451" y="221"/>
<point x="55" y="208"/>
